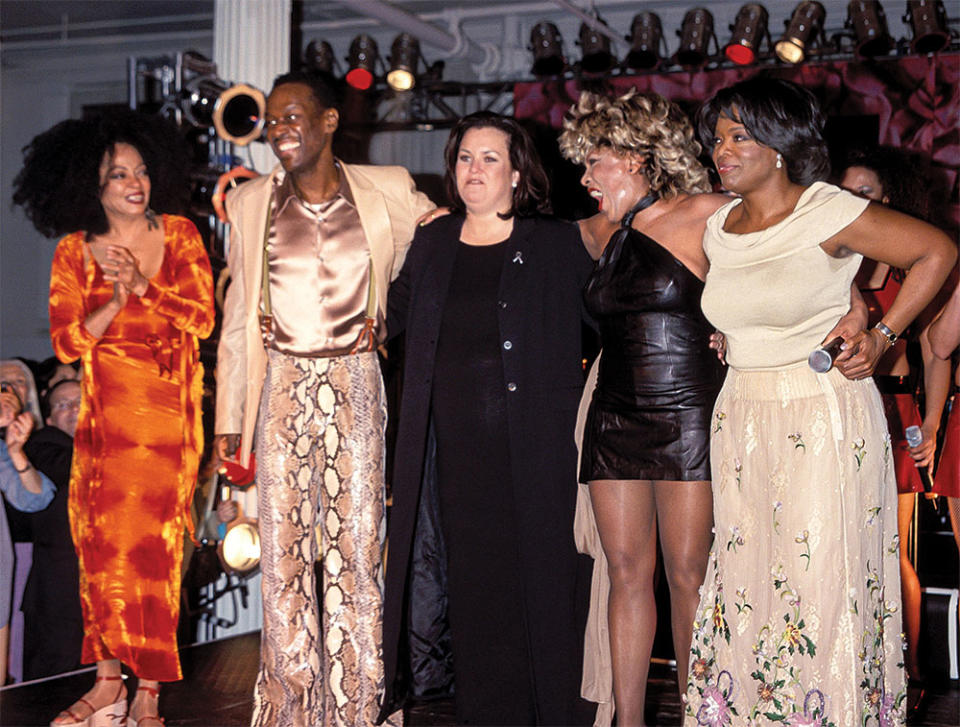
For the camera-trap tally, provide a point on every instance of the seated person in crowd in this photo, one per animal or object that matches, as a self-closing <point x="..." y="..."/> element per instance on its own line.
<point x="22" y="486"/>
<point x="53" y="622"/>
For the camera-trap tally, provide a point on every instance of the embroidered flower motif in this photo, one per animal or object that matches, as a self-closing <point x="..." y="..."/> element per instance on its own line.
<point x="792" y="636"/>
<point x="802" y="720"/>
<point x="699" y="668"/>
<point x="888" y="712"/>
<point x="714" y="708"/>
<point x="804" y="540"/>
<point x="736" y="539"/>
<point x="737" y="470"/>
<point x="718" y="421"/>
<point x="797" y="439"/>
<point x="765" y="692"/>
<point x="859" y="451"/>
<point x="741" y="603"/>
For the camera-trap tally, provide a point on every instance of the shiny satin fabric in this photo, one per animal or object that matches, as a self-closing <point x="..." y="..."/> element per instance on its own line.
<point x="319" y="274"/>
<point x="658" y="378"/>
<point x="137" y="446"/>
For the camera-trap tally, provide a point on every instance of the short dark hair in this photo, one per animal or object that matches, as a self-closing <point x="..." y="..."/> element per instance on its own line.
<point x="320" y="84"/>
<point x="59" y="184"/>
<point x="48" y="395"/>
<point x="778" y="114"/>
<point x="532" y="194"/>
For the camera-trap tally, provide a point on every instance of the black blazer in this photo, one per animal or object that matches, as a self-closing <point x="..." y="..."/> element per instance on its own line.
<point x="540" y="314"/>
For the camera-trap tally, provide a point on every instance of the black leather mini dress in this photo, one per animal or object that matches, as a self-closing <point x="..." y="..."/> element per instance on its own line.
<point x="651" y="411"/>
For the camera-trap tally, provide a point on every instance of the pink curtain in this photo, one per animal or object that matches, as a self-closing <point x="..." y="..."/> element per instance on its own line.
<point x="915" y="99"/>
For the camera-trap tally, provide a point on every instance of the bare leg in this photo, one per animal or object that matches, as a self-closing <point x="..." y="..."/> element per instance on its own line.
<point x="953" y="503"/>
<point x="909" y="585"/>
<point x="626" y="520"/>
<point x="4" y="649"/>
<point x="144" y="709"/>
<point x="107" y="689"/>
<point x="685" y="517"/>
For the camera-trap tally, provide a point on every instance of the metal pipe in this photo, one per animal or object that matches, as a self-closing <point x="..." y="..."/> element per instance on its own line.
<point x="409" y="23"/>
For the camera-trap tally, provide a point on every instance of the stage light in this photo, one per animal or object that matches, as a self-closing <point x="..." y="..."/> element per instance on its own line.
<point x="804" y="27"/>
<point x="646" y="34"/>
<point x="319" y="56"/>
<point x="597" y="57"/>
<point x="749" y="29"/>
<point x="695" y="34"/>
<point x="547" y="47"/>
<point x="869" y="24"/>
<point x="362" y="62"/>
<point x="404" y="55"/>
<point x="239" y="550"/>
<point x="235" y="111"/>
<point x="928" y="19"/>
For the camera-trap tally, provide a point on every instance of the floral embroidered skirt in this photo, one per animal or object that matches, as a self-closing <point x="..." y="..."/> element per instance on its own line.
<point x="799" y="619"/>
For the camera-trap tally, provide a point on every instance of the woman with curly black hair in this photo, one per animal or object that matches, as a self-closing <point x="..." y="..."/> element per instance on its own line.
<point x="130" y="294"/>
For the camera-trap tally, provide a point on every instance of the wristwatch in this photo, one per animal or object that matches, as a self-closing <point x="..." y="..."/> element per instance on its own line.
<point x="887" y="333"/>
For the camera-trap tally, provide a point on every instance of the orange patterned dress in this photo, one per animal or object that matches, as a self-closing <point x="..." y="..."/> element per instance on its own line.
<point x="138" y="443"/>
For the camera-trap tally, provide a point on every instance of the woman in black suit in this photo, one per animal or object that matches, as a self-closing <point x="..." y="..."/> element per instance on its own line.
<point x="489" y="297"/>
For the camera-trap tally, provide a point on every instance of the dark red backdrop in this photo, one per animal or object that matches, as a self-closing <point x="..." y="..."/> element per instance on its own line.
<point x="916" y="101"/>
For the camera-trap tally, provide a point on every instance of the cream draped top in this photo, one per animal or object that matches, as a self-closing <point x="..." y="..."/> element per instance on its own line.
<point x="775" y="293"/>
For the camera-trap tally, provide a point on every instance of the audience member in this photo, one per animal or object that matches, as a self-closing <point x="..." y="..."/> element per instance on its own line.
<point x="53" y="621"/>
<point x="22" y="486"/>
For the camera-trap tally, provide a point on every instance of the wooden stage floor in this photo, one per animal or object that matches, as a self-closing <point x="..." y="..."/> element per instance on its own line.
<point x="218" y="683"/>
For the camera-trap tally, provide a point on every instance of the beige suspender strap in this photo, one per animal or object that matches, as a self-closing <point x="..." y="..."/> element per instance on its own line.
<point x="265" y="272"/>
<point x="372" y="294"/>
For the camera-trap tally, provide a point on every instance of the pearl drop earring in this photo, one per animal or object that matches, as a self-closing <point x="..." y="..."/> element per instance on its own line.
<point x="779" y="160"/>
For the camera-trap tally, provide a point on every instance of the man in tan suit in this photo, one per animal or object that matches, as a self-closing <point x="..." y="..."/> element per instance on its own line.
<point x="313" y="248"/>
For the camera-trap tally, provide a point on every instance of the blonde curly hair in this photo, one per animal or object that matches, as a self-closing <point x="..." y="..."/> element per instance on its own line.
<point x="641" y="123"/>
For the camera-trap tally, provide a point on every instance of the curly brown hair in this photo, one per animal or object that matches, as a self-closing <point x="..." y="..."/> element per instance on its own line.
<point x="640" y="123"/>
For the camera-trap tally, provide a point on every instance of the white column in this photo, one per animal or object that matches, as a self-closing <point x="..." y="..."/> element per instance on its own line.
<point x="251" y="44"/>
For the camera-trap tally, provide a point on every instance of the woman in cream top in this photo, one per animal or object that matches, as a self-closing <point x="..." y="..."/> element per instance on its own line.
<point x="799" y="615"/>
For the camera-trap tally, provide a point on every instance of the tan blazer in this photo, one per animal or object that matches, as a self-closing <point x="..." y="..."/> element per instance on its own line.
<point x="389" y="206"/>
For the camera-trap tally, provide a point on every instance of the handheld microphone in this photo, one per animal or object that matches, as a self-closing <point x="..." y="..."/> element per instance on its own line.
<point x="821" y="359"/>
<point x="914" y="437"/>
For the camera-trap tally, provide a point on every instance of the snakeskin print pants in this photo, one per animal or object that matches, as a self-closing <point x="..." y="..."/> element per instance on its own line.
<point x="320" y="442"/>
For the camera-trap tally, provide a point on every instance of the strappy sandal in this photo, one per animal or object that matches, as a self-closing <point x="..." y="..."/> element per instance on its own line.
<point x="148" y="719"/>
<point x="113" y="715"/>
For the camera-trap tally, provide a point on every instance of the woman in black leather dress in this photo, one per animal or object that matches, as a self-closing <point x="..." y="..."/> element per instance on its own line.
<point x="646" y="442"/>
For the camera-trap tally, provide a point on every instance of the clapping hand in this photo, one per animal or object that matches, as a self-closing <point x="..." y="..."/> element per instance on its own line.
<point x="121" y="267"/>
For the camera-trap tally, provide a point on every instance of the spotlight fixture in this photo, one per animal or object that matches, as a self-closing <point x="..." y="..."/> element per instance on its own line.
<point x="404" y="54"/>
<point x="869" y="24"/>
<point x="695" y="34"/>
<point x="597" y="57"/>
<point x="234" y="110"/>
<point x="805" y="25"/>
<point x="547" y="47"/>
<point x="749" y="29"/>
<point x="361" y="62"/>
<point x="928" y="19"/>
<point x="239" y="550"/>
<point x="319" y="56"/>
<point x="646" y="35"/>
